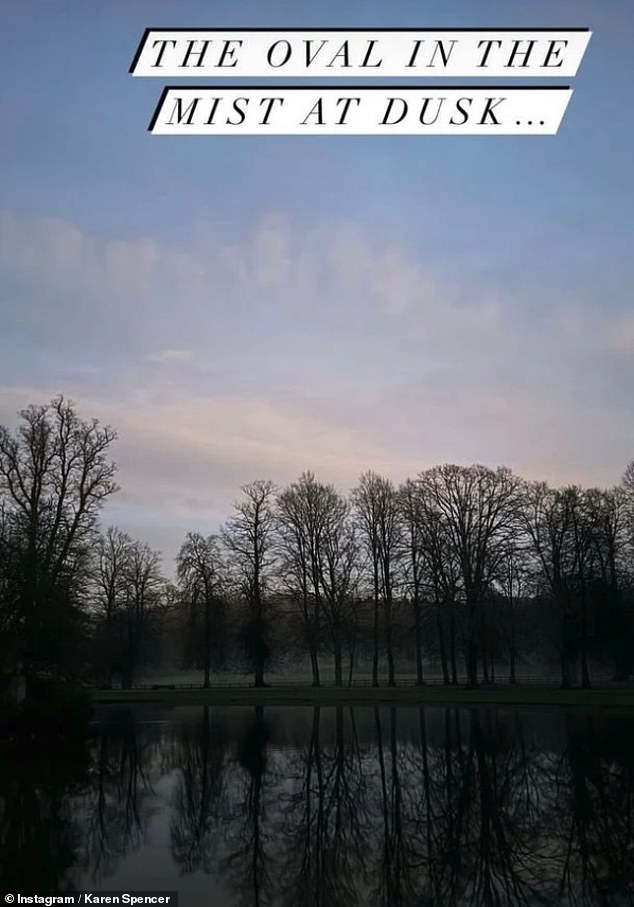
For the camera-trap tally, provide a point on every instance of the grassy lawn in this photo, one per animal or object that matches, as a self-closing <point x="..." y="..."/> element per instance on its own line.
<point x="519" y="695"/>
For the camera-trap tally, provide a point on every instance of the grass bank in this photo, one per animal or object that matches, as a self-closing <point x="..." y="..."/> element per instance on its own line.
<point x="520" y="695"/>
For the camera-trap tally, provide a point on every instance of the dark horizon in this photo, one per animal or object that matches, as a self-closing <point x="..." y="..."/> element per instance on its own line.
<point x="471" y="565"/>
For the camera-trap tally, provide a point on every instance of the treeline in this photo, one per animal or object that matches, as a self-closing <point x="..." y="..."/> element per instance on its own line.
<point x="474" y="569"/>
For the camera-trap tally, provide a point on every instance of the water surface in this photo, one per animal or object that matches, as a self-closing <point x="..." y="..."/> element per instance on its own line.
<point x="334" y="806"/>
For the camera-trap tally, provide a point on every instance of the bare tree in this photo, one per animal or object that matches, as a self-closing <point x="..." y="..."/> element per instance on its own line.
<point x="130" y="598"/>
<point x="441" y="573"/>
<point x="112" y="563"/>
<point x="376" y="506"/>
<point x="610" y="538"/>
<point x="478" y="506"/>
<point x="145" y="587"/>
<point x="410" y="511"/>
<point x="512" y="579"/>
<point x="583" y="552"/>
<point x="301" y="514"/>
<point x="627" y="481"/>
<point x="249" y="539"/>
<point x="200" y="571"/>
<point x="549" y="521"/>
<point x="55" y="474"/>
<point x="11" y="544"/>
<point x="339" y="576"/>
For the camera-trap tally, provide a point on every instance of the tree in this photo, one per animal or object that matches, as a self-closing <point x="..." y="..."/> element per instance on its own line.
<point x="302" y="511"/>
<point x="549" y="520"/>
<point x="338" y="576"/>
<point x="441" y="575"/>
<point x="583" y="552"/>
<point x="55" y="474"/>
<point x="610" y="528"/>
<point x="376" y="507"/>
<point x="200" y="571"/>
<point x="129" y="601"/>
<point x="249" y="540"/>
<point x="111" y="571"/>
<point x="10" y="570"/>
<point x="145" y="587"/>
<point x="512" y="579"/>
<point x="478" y="507"/>
<point x="410" y="513"/>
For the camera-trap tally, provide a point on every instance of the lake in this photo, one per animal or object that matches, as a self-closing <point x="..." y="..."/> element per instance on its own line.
<point x="268" y="806"/>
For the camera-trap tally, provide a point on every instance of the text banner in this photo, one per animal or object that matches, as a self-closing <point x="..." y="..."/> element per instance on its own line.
<point x="321" y="53"/>
<point x="379" y="110"/>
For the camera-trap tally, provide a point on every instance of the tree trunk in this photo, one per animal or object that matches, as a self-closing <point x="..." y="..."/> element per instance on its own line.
<point x="207" y="658"/>
<point x="472" y="652"/>
<point x="512" y="653"/>
<point x="485" y="669"/>
<point x="442" y="647"/>
<point x="472" y="649"/>
<point x="314" y="663"/>
<point x="566" y="680"/>
<point x="375" y="629"/>
<point x="351" y="664"/>
<point x="207" y="652"/>
<point x="338" y="660"/>
<point x="585" y="673"/>
<point x="566" y="675"/>
<point x="388" y="615"/>
<point x="484" y="647"/>
<point x="419" y="643"/>
<point x="452" y="644"/>
<point x="391" y="679"/>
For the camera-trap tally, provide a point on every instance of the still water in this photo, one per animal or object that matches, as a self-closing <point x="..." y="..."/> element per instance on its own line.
<point x="326" y="807"/>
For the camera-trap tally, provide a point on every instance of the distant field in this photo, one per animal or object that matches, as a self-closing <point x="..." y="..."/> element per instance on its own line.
<point x="520" y="695"/>
<point x="362" y="677"/>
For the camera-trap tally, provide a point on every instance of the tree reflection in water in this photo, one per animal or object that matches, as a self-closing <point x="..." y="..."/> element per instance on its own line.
<point x="326" y="807"/>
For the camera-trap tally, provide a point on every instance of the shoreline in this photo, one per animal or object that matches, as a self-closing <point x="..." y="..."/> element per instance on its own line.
<point x="520" y="695"/>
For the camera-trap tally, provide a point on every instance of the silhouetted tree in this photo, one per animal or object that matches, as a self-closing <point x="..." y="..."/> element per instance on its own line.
<point x="338" y="577"/>
<point x="478" y="508"/>
<point x="249" y="539"/>
<point x="376" y="506"/>
<point x="55" y="474"/>
<point x="414" y="565"/>
<point x="302" y="512"/>
<point x="111" y="579"/>
<point x="512" y="580"/>
<point x="610" y="539"/>
<point x="551" y="519"/>
<point x="129" y="601"/>
<point x="200" y="571"/>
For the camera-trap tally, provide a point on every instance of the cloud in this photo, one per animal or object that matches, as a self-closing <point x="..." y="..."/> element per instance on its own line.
<point x="329" y="348"/>
<point x="272" y="253"/>
<point x="161" y="356"/>
<point x="184" y="458"/>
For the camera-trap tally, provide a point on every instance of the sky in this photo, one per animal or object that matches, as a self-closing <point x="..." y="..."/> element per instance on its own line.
<point x="253" y="307"/>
